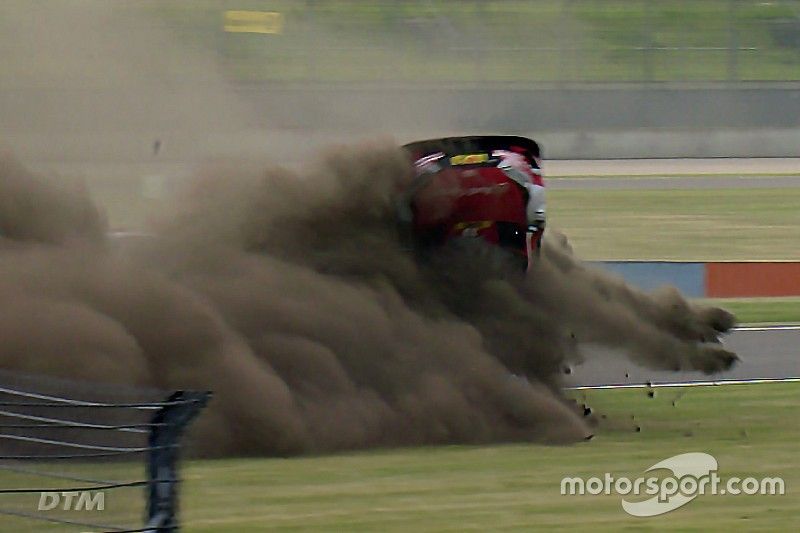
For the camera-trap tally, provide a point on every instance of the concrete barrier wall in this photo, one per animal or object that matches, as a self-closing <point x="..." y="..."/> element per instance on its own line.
<point x="712" y="280"/>
<point x="723" y="280"/>
<point x="593" y="107"/>
<point x="606" y="121"/>
<point x="687" y="277"/>
<point x="586" y="121"/>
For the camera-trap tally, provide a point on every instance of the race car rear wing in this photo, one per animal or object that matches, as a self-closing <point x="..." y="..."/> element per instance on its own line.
<point x="478" y="144"/>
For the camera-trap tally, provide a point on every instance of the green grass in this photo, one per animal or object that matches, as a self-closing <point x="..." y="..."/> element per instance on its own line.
<point x="520" y="41"/>
<point x="721" y="224"/>
<point x="123" y="506"/>
<point x="690" y="225"/>
<point x="748" y="428"/>
<point x="761" y="310"/>
<point x="706" y="27"/>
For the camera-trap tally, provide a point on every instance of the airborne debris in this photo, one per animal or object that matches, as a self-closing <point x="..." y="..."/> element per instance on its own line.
<point x="678" y="396"/>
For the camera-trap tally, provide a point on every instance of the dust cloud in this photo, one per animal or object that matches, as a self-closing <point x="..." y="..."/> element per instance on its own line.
<point x="41" y="209"/>
<point x="291" y="296"/>
<point x="109" y="92"/>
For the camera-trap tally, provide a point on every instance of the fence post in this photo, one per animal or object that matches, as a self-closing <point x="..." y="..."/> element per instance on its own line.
<point x="733" y="42"/>
<point x="566" y="57"/>
<point x="168" y="425"/>
<point x="649" y="44"/>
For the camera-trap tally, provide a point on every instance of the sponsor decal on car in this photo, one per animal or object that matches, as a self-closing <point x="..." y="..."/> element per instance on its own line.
<point x="469" y="159"/>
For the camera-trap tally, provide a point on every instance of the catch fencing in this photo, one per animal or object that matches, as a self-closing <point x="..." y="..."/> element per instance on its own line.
<point x="70" y="460"/>
<point x="497" y="40"/>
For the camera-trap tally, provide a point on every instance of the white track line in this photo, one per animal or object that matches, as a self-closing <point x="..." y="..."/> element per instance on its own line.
<point x="687" y="384"/>
<point x="767" y="328"/>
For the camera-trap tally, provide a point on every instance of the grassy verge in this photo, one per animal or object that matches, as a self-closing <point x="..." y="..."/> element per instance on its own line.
<point x="761" y="310"/>
<point x="122" y="507"/>
<point x="516" y="487"/>
<point x="682" y="225"/>
<point x="721" y="224"/>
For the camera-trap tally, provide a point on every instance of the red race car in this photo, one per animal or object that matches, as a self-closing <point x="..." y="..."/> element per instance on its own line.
<point x="484" y="187"/>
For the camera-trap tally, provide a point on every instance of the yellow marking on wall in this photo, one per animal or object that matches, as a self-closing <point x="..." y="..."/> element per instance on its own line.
<point x="253" y="22"/>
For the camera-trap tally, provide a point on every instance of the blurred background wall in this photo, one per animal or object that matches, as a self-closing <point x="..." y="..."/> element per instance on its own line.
<point x="590" y="78"/>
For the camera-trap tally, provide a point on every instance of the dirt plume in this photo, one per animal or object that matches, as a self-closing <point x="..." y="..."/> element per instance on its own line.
<point x="45" y="209"/>
<point x="290" y="295"/>
<point x="659" y="330"/>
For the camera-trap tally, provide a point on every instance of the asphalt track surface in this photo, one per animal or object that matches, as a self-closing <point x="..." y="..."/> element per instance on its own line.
<point x="674" y="182"/>
<point x="766" y="353"/>
<point x="708" y="167"/>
